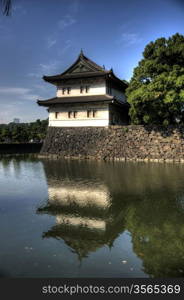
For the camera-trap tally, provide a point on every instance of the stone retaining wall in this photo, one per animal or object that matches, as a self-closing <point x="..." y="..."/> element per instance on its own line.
<point x="116" y="142"/>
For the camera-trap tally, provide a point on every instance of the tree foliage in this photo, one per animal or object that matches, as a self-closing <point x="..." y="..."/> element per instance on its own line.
<point x="23" y="132"/>
<point x="6" y="6"/>
<point x="156" y="90"/>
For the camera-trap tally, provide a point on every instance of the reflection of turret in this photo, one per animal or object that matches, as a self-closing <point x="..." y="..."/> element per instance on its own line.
<point x="85" y="234"/>
<point x="93" y="224"/>
<point x="82" y="228"/>
<point x="94" y="202"/>
<point x="65" y="193"/>
<point x="85" y="217"/>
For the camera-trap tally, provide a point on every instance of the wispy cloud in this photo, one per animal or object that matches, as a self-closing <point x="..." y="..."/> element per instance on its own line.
<point x="9" y="112"/>
<point x="129" y="39"/>
<point x="20" y="102"/>
<point x="49" y="67"/>
<point x="34" y="74"/>
<point x="50" y="42"/>
<point x="5" y="31"/>
<point x="17" y="93"/>
<point x="26" y="113"/>
<point x="19" y="10"/>
<point x="67" y="45"/>
<point x="66" y="21"/>
<point x="45" y="69"/>
<point x="74" y="6"/>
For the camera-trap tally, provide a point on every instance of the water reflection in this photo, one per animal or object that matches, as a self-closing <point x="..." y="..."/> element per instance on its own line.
<point x="82" y="205"/>
<point x="94" y="203"/>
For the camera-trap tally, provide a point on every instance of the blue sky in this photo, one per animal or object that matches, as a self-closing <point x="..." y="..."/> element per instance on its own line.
<point x="44" y="37"/>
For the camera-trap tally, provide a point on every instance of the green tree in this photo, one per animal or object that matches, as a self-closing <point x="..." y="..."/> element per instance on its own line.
<point x="5" y="134"/>
<point x="23" y="132"/>
<point x="6" y="6"/>
<point x="156" y="90"/>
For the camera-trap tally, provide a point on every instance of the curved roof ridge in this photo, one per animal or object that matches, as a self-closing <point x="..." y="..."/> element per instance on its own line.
<point x="85" y="60"/>
<point x="92" y="62"/>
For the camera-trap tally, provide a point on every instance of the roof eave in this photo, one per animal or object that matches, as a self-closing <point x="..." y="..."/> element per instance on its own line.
<point x="41" y="103"/>
<point x="57" y="78"/>
<point x="119" y="103"/>
<point x="112" y="76"/>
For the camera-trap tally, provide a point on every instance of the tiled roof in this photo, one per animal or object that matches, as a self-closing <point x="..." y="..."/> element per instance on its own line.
<point x="78" y="99"/>
<point x="83" y="67"/>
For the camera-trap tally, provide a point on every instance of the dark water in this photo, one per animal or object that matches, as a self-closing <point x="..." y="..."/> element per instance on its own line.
<point x="91" y="219"/>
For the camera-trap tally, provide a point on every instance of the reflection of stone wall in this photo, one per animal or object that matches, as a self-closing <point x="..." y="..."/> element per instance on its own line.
<point x="117" y="142"/>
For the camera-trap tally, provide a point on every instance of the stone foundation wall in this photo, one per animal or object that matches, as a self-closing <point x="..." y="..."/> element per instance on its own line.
<point x="116" y="142"/>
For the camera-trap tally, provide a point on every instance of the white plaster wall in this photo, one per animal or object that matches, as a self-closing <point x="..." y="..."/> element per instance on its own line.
<point x="94" y="89"/>
<point x="79" y="123"/>
<point x="101" y="116"/>
<point x="81" y="115"/>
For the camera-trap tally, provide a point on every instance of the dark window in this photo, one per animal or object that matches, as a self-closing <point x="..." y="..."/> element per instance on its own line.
<point x="94" y="113"/>
<point x="81" y="89"/>
<point x="88" y="113"/>
<point x="109" y="89"/>
<point x="64" y="89"/>
<point x="91" y="113"/>
<point x="75" y="114"/>
<point x="87" y="89"/>
<point x="69" y="114"/>
<point x="56" y="115"/>
<point x="69" y="90"/>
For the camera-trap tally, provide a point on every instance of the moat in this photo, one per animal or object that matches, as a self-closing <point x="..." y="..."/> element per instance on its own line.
<point x="72" y="218"/>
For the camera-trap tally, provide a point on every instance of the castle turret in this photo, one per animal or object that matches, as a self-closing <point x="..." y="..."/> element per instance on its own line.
<point x="87" y="95"/>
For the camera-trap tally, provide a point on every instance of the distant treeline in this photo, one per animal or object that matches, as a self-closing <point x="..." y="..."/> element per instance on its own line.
<point x="23" y="132"/>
